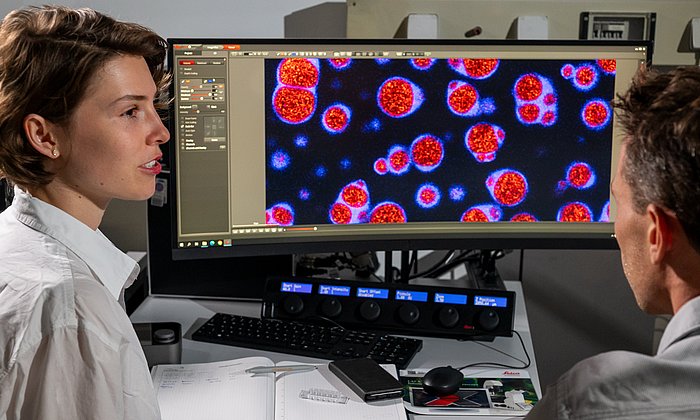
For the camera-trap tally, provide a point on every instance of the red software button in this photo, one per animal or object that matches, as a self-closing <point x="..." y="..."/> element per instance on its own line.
<point x="186" y="62"/>
<point x="232" y="47"/>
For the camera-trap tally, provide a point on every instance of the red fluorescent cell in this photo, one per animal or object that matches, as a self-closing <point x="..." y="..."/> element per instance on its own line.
<point x="341" y="214"/>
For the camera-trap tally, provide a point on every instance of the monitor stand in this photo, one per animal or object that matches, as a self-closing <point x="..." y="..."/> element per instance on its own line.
<point x="481" y="273"/>
<point x="484" y="275"/>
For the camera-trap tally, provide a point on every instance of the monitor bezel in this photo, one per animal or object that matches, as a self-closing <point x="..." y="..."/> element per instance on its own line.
<point x="494" y="235"/>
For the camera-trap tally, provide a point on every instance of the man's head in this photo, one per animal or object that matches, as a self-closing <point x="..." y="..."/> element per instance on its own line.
<point x="657" y="185"/>
<point x="48" y="57"/>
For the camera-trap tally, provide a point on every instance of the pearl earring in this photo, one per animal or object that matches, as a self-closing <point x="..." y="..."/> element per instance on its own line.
<point x="54" y="153"/>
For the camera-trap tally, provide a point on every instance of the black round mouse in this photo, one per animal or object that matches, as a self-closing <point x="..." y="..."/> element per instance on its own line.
<point x="442" y="381"/>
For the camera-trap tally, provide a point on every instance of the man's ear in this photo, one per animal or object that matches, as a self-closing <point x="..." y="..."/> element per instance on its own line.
<point x="41" y="134"/>
<point x="660" y="233"/>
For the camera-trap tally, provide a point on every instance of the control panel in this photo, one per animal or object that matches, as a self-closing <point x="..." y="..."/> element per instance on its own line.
<point x="398" y="308"/>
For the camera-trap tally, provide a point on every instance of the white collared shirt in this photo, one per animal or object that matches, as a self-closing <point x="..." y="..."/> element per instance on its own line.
<point x="67" y="347"/>
<point x="626" y="385"/>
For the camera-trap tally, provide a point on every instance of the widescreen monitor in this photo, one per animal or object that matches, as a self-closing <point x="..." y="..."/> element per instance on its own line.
<point x="285" y="146"/>
<point x="303" y="146"/>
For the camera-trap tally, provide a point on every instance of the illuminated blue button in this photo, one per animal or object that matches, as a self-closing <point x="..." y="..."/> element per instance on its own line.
<point x="450" y="298"/>
<point x="499" y="302"/>
<point x="372" y="293"/>
<point x="325" y="289"/>
<point x="295" y="287"/>
<point x="412" y="295"/>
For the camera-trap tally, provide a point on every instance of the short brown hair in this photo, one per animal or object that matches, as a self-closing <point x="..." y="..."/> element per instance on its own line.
<point x="660" y="114"/>
<point x="48" y="56"/>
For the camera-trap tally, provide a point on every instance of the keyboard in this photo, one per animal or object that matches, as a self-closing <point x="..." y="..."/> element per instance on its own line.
<point x="307" y="339"/>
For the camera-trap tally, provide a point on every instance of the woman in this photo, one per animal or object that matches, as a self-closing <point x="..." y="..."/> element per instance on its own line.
<point x="78" y="127"/>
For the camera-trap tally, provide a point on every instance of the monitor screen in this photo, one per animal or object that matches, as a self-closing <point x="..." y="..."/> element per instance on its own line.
<point x="300" y="146"/>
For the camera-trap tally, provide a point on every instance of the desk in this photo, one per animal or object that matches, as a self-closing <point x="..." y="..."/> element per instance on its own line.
<point x="191" y="313"/>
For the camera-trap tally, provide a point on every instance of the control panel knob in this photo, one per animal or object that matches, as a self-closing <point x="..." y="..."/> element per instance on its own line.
<point x="293" y="305"/>
<point x="409" y="313"/>
<point x="488" y="320"/>
<point x="370" y="311"/>
<point x="331" y="307"/>
<point x="448" y="316"/>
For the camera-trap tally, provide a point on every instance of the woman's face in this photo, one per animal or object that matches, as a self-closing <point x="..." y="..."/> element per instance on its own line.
<point x="113" y="137"/>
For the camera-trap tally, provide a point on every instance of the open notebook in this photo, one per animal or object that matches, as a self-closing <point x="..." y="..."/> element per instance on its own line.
<point x="222" y="390"/>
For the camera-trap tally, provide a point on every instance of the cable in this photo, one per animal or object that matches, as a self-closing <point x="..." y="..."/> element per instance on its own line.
<point x="413" y="265"/>
<point x="362" y="264"/>
<point x="450" y="261"/>
<point x="520" y="267"/>
<point x="447" y="263"/>
<point x="469" y="255"/>
<point x="313" y="318"/>
<point x="478" y="364"/>
<point x="483" y="257"/>
<point x="434" y="267"/>
<point x="503" y="365"/>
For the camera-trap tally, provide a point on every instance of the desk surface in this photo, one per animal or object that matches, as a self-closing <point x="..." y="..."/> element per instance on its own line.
<point x="191" y="313"/>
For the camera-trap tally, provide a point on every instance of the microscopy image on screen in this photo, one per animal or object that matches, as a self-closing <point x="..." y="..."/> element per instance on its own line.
<point x="423" y="140"/>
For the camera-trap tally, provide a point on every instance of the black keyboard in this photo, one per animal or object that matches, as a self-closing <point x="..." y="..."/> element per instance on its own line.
<point x="306" y="339"/>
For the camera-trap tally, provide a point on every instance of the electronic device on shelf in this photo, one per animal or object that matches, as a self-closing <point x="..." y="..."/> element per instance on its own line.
<point x="415" y="310"/>
<point x="161" y="342"/>
<point x="292" y="146"/>
<point x="323" y="341"/>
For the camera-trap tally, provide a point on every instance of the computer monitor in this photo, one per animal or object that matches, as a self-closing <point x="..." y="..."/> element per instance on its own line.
<point x="302" y="146"/>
